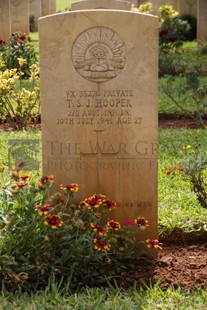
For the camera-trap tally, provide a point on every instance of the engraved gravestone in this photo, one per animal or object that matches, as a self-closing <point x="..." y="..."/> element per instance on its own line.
<point x="188" y="7"/>
<point x="19" y="10"/>
<point x="48" y="7"/>
<point x="35" y="11"/>
<point x="5" y="28"/>
<point x="101" y="4"/>
<point x="99" y="107"/>
<point x="202" y="20"/>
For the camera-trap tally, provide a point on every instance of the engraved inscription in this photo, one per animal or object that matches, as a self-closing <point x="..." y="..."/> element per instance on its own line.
<point x="16" y="3"/>
<point x="102" y="107"/>
<point x="98" y="54"/>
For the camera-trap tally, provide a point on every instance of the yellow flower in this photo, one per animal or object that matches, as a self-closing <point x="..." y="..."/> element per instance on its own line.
<point x="21" y="61"/>
<point x="2" y="63"/>
<point x="187" y="146"/>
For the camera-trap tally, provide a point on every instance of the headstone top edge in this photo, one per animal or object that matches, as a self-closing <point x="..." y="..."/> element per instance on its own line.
<point x="108" y="11"/>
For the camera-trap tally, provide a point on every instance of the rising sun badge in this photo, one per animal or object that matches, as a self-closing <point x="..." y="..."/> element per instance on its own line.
<point x="98" y="54"/>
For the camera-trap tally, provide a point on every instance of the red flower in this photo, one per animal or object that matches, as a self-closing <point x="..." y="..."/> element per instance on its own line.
<point x="43" y="209"/>
<point x="113" y="225"/>
<point x="153" y="244"/>
<point x="20" y="164"/>
<point x="53" y="221"/>
<point x="163" y="32"/>
<point x="71" y="187"/>
<point x="23" y="37"/>
<point x="129" y="223"/>
<point x="98" y="228"/>
<point x="46" y="179"/>
<point x="24" y="176"/>
<point x="100" y="244"/>
<point x="109" y="204"/>
<point x="2" y="42"/>
<point x="21" y="184"/>
<point x="172" y="39"/>
<point x="141" y="222"/>
<point x="94" y="201"/>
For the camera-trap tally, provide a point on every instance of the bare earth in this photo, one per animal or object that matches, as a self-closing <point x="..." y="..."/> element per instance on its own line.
<point x="177" y="265"/>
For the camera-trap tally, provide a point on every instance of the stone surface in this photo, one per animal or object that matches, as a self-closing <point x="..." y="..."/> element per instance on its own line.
<point x="101" y="4"/>
<point x="5" y="27"/>
<point x="19" y="15"/>
<point x="48" y="7"/>
<point x="188" y="7"/>
<point x="99" y="107"/>
<point x="35" y="9"/>
<point x="202" y="20"/>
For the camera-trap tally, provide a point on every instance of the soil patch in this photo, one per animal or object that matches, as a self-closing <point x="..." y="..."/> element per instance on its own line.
<point x="181" y="265"/>
<point x="170" y="122"/>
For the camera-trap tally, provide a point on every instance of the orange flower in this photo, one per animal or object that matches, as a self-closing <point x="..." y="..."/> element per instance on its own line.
<point x="14" y="173"/>
<point x="71" y="187"/>
<point x="94" y="201"/>
<point x="21" y="184"/>
<point x="153" y="244"/>
<point x="109" y="204"/>
<point x="46" y="179"/>
<point x="98" y="228"/>
<point x="24" y="176"/>
<point x="44" y="209"/>
<point x="141" y="222"/>
<point x="113" y="225"/>
<point x="53" y="221"/>
<point x="100" y="244"/>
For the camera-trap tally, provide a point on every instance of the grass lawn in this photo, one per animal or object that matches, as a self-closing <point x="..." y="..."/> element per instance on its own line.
<point x="62" y="5"/>
<point x="107" y="299"/>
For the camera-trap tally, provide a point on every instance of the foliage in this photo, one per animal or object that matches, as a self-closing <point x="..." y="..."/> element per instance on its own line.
<point x="172" y="29"/>
<point x="19" y="98"/>
<point x="166" y="11"/>
<point x="195" y="167"/>
<point x="32" y="23"/>
<point x="145" y="7"/>
<point x="47" y="235"/>
<point x="192" y="21"/>
<point x="18" y="46"/>
<point x="171" y="64"/>
<point x="192" y="88"/>
<point x="202" y="47"/>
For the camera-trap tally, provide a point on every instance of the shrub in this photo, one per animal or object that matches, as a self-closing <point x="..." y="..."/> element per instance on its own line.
<point x="202" y="47"/>
<point x="32" y="23"/>
<point x="172" y="29"/>
<point x="19" y="99"/>
<point x="44" y="236"/>
<point x="172" y="33"/>
<point x="18" y="46"/>
<point x="171" y="64"/>
<point x="195" y="165"/>
<point x="145" y="8"/>
<point x="193" y="89"/>
<point x="192" y="21"/>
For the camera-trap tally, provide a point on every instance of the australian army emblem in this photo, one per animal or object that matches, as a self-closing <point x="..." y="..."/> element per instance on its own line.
<point x="98" y="54"/>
